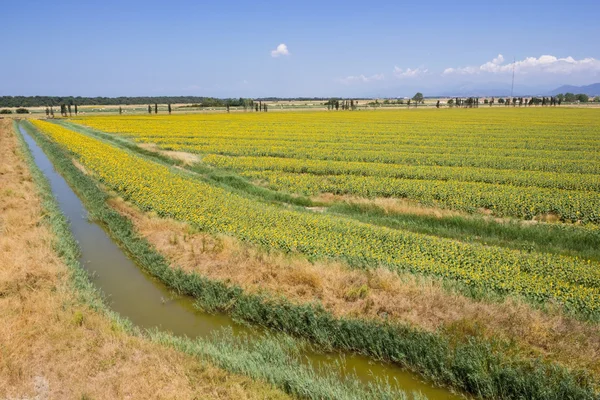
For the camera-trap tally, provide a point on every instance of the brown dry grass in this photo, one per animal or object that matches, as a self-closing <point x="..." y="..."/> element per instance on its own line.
<point x="52" y="346"/>
<point x="413" y="207"/>
<point x="346" y="292"/>
<point x="389" y="205"/>
<point x="186" y="158"/>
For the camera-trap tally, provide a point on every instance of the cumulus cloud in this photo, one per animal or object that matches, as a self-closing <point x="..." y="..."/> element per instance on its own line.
<point x="408" y="72"/>
<point x="281" y="50"/>
<point x="543" y="64"/>
<point x="361" y="79"/>
<point x="498" y="60"/>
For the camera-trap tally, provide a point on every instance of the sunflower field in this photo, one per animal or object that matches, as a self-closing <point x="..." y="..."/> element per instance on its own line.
<point x="168" y="191"/>
<point x="513" y="162"/>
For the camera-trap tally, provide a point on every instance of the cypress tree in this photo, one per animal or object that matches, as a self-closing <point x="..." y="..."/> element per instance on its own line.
<point x="169" y="108"/>
<point x="149" y="109"/>
<point x="75" y="109"/>
<point x="155" y="108"/>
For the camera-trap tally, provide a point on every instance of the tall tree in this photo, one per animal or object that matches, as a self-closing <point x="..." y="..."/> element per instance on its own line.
<point x="149" y="109"/>
<point x="120" y="110"/>
<point x="69" y="106"/>
<point x="418" y="97"/>
<point x="169" y="107"/>
<point x="155" y="108"/>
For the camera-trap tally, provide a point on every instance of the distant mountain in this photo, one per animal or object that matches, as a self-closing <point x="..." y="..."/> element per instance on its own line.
<point x="590" y="90"/>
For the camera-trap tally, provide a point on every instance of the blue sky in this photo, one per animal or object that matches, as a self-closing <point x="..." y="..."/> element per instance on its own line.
<point x="349" y="48"/>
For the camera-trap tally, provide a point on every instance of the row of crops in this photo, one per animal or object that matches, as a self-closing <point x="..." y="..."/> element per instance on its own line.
<point x="585" y="182"/>
<point x="573" y="282"/>
<point x="519" y="163"/>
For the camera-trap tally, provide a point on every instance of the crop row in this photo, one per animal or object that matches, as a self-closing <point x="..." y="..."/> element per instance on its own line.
<point x="584" y="182"/>
<point x="502" y="200"/>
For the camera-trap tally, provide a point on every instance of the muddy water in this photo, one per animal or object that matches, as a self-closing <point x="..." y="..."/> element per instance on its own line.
<point x="149" y="304"/>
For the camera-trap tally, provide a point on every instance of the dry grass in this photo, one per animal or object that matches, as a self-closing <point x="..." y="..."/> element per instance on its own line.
<point x="376" y="294"/>
<point x="80" y="167"/>
<point x="407" y="206"/>
<point x="52" y="346"/>
<point x="389" y="205"/>
<point x="184" y="157"/>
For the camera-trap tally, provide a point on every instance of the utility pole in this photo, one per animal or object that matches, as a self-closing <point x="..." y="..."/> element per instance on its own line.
<point x="512" y="87"/>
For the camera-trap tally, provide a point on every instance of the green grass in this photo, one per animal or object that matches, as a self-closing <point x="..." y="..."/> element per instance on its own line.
<point x="489" y="370"/>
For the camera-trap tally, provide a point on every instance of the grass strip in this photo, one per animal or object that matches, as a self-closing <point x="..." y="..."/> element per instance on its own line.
<point x="568" y="240"/>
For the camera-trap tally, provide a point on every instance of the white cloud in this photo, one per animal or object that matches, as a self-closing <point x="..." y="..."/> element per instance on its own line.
<point x="361" y="79"/>
<point x="543" y="64"/>
<point x="281" y="50"/>
<point x="409" y="73"/>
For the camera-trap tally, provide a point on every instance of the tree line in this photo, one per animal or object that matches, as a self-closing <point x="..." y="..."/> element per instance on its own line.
<point x="48" y="101"/>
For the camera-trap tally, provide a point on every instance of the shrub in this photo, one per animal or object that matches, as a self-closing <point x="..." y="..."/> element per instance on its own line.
<point x="5" y="111"/>
<point x="22" y="110"/>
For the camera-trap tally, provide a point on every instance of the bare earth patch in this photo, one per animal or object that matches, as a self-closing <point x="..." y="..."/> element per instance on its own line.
<point x="379" y="294"/>
<point x="54" y="347"/>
